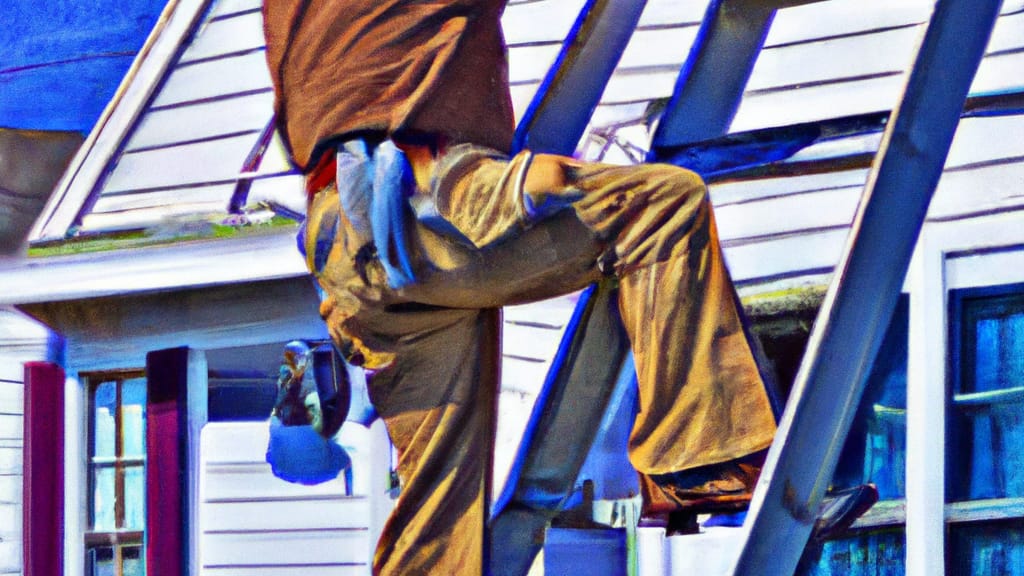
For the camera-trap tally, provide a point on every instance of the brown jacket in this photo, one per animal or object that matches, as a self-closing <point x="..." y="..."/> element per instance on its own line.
<point x="401" y="67"/>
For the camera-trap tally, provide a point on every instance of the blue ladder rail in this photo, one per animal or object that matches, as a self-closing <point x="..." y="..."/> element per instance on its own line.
<point x="865" y="288"/>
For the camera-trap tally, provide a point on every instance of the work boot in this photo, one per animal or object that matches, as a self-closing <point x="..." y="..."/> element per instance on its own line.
<point x="674" y="500"/>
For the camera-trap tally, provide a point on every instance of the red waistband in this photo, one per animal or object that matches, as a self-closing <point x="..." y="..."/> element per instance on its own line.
<point x="321" y="175"/>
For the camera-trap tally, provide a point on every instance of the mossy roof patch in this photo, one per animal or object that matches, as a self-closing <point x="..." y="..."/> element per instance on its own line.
<point x="799" y="299"/>
<point x="172" y="233"/>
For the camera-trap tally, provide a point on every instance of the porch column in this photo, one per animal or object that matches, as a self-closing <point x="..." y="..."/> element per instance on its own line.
<point x="175" y="413"/>
<point x="43" y="480"/>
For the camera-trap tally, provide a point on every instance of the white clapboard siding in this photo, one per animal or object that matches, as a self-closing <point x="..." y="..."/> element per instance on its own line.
<point x="1000" y="73"/>
<point x="318" y="548"/>
<point x="788" y="214"/>
<point x="844" y="17"/>
<point x="818" y="102"/>
<point x="672" y="12"/>
<point x="792" y="255"/>
<point x="860" y="144"/>
<point x="530" y="63"/>
<point x="788" y="225"/>
<point x="21" y="340"/>
<point x="985" y="139"/>
<point x="10" y="491"/>
<point x="10" y="510"/>
<point x="535" y="340"/>
<point x="733" y="192"/>
<point x="225" y="7"/>
<point x="978" y="191"/>
<point x="806" y="77"/>
<point x="530" y="337"/>
<point x="254" y="523"/>
<point x="514" y="410"/>
<point x="661" y="46"/>
<point x="169" y="199"/>
<point x="10" y="426"/>
<point x="12" y="399"/>
<point x="522" y="95"/>
<point x="286" y="571"/>
<point x="10" y="553"/>
<point x="608" y="115"/>
<point x="887" y="51"/>
<point x="205" y="162"/>
<point x="226" y="35"/>
<point x="204" y="120"/>
<point x="215" y="78"/>
<point x="639" y="85"/>
<point x="521" y="377"/>
<point x="283" y="515"/>
<point x="275" y="159"/>
<point x="543" y="21"/>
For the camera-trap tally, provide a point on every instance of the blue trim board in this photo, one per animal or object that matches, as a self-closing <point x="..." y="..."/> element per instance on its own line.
<point x="568" y="95"/>
<point x="711" y="83"/>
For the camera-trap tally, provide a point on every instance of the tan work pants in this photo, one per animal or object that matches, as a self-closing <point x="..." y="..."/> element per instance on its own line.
<point x="435" y="342"/>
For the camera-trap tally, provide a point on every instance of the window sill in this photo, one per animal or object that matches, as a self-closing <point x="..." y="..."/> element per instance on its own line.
<point x="894" y="512"/>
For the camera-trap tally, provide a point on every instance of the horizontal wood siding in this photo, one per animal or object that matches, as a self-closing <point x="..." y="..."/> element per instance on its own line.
<point x="226" y="34"/>
<point x="227" y="7"/>
<point x="205" y="120"/>
<point x="530" y="337"/>
<point x="210" y="161"/>
<point x="852" y="59"/>
<point x="254" y="523"/>
<point x="215" y="78"/>
<point x="21" y="340"/>
<point x="795" y="226"/>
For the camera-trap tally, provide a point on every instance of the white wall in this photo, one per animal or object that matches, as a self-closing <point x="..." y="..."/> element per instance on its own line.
<point x="21" y="340"/>
<point x="252" y="523"/>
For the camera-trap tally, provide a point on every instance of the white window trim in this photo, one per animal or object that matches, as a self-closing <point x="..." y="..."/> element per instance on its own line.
<point x="949" y="256"/>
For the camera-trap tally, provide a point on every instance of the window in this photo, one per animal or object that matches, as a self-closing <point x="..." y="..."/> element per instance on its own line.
<point x="875" y="451"/>
<point x="117" y="476"/>
<point x="985" y="482"/>
<point x="987" y="420"/>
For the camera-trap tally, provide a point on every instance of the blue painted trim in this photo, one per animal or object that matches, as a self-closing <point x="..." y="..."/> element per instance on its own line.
<point x="860" y="303"/>
<point x="567" y="97"/>
<point x="711" y="83"/>
<point x="579" y="317"/>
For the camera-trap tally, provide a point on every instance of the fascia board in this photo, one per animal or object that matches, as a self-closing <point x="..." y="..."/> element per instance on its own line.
<point x="151" y="269"/>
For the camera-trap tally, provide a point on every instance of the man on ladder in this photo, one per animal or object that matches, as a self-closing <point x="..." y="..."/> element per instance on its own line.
<point x="419" y="227"/>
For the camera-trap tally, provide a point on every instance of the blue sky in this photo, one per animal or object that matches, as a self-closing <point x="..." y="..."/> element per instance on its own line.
<point x="62" y="60"/>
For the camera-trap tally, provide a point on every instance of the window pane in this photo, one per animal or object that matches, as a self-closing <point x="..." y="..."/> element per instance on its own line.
<point x="100" y="562"/>
<point x="133" y="563"/>
<point x="869" y="554"/>
<point x="987" y="419"/>
<point x="134" y="498"/>
<point x="103" y="499"/>
<point x="104" y="428"/>
<point x="133" y="414"/>
<point x="876" y="447"/>
<point x="986" y="549"/>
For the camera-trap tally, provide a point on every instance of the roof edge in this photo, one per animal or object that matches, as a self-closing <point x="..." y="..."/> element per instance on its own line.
<point x="191" y="264"/>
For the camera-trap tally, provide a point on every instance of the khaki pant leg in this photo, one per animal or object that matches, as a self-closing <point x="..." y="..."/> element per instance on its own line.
<point x="435" y="387"/>
<point x="701" y="398"/>
<point x="438" y="402"/>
